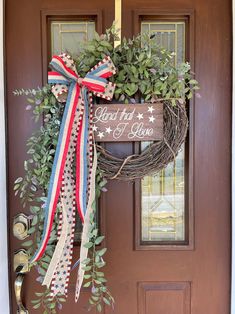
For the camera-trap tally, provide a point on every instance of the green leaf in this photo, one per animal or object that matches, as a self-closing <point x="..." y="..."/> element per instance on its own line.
<point x="99" y="307"/>
<point x="37" y="306"/>
<point x="86" y="261"/>
<point x="91" y="302"/>
<point x="35" y="301"/>
<point x="35" y="220"/>
<point x="16" y="187"/>
<point x="101" y="252"/>
<point x="87" y="284"/>
<point x="101" y="279"/>
<point x="27" y="243"/>
<point x="106" y="301"/>
<point x="87" y="268"/>
<point x="193" y="82"/>
<point x="51" y="305"/>
<point x="88" y="245"/>
<point x="30" y="100"/>
<point x="99" y="240"/>
<point x="190" y="95"/>
<point x="31" y="230"/>
<point x="105" y="43"/>
<point x="100" y="265"/>
<point x="18" y="180"/>
<point x="103" y="289"/>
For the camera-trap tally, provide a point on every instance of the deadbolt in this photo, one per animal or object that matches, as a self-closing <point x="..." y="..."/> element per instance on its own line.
<point x="21" y="225"/>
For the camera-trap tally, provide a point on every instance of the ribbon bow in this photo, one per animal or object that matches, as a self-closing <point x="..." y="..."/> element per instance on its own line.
<point x="76" y="141"/>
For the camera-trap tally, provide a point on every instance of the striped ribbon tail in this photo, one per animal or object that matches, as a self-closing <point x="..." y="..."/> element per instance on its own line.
<point x="71" y="190"/>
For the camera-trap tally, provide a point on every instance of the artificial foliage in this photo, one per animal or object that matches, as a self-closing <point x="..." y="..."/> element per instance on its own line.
<point x="145" y="73"/>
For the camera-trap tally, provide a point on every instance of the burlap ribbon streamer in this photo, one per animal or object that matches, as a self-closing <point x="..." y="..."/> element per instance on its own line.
<point x="68" y="190"/>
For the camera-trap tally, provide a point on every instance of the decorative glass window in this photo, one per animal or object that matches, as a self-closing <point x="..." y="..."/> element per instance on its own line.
<point x="68" y="35"/>
<point x="163" y="196"/>
<point x="168" y="35"/>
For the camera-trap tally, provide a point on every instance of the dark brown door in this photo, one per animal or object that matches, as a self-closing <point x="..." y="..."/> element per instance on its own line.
<point x="168" y="237"/>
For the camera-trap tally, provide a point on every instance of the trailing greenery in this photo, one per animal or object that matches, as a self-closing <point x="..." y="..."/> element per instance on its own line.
<point x="94" y="277"/>
<point x="144" y="72"/>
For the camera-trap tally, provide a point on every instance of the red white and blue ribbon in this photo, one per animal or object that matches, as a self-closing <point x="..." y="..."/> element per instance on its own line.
<point x="69" y="190"/>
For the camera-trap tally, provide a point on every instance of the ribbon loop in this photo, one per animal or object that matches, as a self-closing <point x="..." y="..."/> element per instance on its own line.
<point x="69" y="190"/>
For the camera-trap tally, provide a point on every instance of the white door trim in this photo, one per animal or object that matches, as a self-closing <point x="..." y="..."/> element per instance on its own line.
<point x="233" y="174"/>
<point x="4" y="286"/>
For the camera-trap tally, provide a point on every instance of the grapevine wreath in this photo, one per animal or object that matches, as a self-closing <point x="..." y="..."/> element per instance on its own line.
<point x="136" y="71"/>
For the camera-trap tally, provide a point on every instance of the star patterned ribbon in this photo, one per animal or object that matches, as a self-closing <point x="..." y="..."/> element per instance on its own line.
<point x="67" y="191"/>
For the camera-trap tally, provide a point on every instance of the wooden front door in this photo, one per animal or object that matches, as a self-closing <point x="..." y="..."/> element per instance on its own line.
<point x="168" y="237"/>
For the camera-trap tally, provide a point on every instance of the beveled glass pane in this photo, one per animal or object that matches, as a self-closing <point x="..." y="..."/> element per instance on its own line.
<point x="163" y="196"/>
<point x="68" y="36"/>
<point x="163" y="204"/>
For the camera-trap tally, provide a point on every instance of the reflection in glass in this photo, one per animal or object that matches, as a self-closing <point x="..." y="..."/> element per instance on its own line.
<point x="163" y="196"/>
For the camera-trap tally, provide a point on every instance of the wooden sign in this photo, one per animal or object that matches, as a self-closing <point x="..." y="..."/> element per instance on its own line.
<point x="126" y="123"/>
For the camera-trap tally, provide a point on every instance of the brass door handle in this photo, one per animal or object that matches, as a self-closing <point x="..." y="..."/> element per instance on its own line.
<point x="18" y="287"/>
<point x="21" y="267"/>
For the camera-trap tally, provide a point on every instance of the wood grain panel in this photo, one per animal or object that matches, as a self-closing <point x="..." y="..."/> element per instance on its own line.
<point x="126" y="123"/>
<point x="164" y="297"/>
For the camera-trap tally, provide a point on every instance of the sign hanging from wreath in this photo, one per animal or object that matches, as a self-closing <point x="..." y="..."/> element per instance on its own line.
<point x="130" y="93"/>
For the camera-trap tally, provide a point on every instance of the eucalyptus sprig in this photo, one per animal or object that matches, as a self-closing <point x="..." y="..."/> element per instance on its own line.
<point x="47" y="302"/>
<point x="94" y="276"/>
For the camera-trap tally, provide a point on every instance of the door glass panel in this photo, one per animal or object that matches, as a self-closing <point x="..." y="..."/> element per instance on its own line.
<point x="163" y="196"/>
<point x="168" y="35"/>
<point x="67" y="36"/>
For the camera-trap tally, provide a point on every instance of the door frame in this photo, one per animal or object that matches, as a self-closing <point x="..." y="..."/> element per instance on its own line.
<point x="4" y="282"/>
<point x="233" y="172"/>
<point x="4" y="269"/>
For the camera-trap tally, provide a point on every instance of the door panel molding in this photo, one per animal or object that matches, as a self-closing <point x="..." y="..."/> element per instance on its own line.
<point x="162" y="295"/>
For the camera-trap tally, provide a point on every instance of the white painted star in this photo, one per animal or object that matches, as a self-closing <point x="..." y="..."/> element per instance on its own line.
<point x="151" y="119"/>
<point x="108" y="130"/>
<point x="151" y="109"/>
<point x="95" y="128"/>
<point x="140" y="116"/>
<point x="100" y="135"/>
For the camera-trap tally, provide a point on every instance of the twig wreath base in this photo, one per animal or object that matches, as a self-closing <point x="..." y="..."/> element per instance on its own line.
<point x="153" y="158"/>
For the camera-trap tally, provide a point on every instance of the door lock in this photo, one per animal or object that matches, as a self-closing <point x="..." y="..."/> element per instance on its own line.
<point x="21" y="225"/>
<point x="21" y="267"/>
